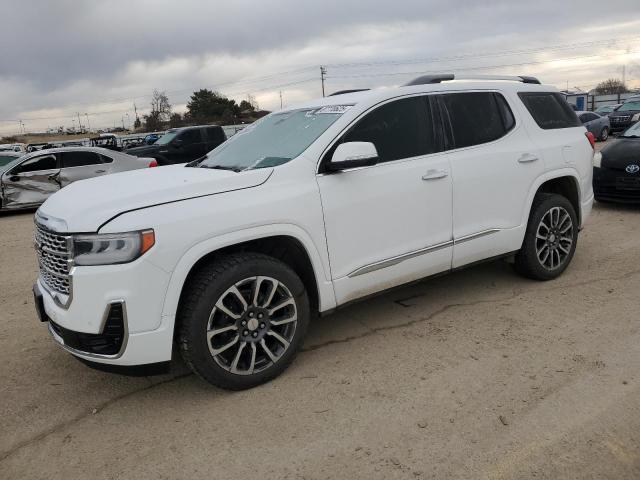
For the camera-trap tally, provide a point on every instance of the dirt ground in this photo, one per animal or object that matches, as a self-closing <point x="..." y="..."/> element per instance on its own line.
<point x="478" y="374"/>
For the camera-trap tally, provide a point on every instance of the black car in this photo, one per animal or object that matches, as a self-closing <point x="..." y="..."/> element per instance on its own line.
<point x="616" y="171"/>
<point x="181" y="145"/>
<point x="626" y="115"/>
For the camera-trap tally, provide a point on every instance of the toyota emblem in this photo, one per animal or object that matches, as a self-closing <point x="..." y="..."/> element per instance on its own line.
<point x="632" y="168"/>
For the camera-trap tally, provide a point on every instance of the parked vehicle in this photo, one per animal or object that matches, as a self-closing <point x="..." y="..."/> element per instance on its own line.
<point x="108" y="141"/>
<point x="30" y="179"/>
<point x="12" y="147"/>
<point x="616" y="169"/>
<point x="607" y="109"/>
<point x="596" y="124"/>
<point x="307" y="210"/>
<point x="181" y="145"/>
<point x="626" y="115"/>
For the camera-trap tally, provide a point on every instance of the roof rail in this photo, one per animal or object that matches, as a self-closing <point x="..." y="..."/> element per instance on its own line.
<point x="344" y="92"/>
<point x="442" y="77"/>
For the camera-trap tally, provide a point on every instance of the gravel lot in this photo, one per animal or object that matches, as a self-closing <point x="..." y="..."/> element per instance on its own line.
<point x="478" y="374"/>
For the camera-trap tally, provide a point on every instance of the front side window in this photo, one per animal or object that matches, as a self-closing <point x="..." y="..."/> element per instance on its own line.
<point x="477" y="117"/>
<point x="36" y="164"/>
<point x="550" y="110"/>
<point x="167" y="137"/>
<point x="399" y="129"/>
<point x="274" y="139"/>
<point x="79" y="159"/>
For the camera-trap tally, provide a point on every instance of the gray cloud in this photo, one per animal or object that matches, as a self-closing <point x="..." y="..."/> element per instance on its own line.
<point x="63" y="55"/>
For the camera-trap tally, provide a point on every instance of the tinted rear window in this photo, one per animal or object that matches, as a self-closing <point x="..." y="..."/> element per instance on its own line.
<point x="477" y="117"/>
<point x="550" y="110"/>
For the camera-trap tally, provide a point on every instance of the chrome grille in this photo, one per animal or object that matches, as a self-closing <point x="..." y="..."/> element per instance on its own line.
<point x="54" y="259"/>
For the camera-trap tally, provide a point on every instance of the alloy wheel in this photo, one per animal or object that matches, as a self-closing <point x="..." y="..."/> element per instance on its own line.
<point x="252" y="325"/>
<point x="554" y="238"/>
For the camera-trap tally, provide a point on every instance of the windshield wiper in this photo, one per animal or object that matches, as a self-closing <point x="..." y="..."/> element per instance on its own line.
<point x="630" y="136"/>
<point x="222" y="167"/>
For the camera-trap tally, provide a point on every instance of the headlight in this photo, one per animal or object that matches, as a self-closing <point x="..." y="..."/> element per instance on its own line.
<point x="111" y="248"/>
<point x="597" y="159"/>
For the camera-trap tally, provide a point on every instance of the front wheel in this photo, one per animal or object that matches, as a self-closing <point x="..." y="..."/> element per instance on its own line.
<point x="550" y="240"/>
<point x="242" y="319"/>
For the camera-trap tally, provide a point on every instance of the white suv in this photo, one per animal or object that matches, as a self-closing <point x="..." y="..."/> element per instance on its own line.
<point x="306" y="210"/>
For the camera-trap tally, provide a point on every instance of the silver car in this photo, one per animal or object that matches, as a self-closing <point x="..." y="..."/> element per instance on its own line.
<point x="28" y="180"/>
<point x="600" y="126"/>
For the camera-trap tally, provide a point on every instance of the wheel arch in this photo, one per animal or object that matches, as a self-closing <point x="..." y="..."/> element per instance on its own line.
<point x="563" y="182"/>
<point x="289" y="244"/>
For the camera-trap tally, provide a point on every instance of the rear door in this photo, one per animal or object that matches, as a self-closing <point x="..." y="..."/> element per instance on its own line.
<point x="31" y="182"/>
<point x="493" y="165"/>
<point x="79" y="165"/>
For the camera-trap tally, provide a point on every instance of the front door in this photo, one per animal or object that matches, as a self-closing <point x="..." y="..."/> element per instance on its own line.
<point x="187" y="146"/>
<point x="390" y="223"/>
<point x="31" y="182"/>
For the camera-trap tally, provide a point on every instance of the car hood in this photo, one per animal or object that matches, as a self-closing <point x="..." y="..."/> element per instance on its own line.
<point x="86" y="205"/>
<point x="621" y="153"/>
<point x="626" y="113"/>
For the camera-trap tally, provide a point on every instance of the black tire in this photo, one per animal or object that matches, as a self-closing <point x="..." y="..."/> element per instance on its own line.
<point x="527" y="262"/>
<point x="208" y="285"/>
<point x="604" y="134"/>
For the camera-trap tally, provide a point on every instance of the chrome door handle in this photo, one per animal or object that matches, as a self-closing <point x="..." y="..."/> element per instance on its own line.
<point x="100" y="171"/>
<point x="527" y="158"/>
<point x="435" y="174"/>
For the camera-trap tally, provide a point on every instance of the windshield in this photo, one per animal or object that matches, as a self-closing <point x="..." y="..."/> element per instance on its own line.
<point x="605" y="109"/>
<point x="167" y="137"/>
<point x="274" y="140"/>
<point x="629" y="106"/>
<point x="632" y="131"/>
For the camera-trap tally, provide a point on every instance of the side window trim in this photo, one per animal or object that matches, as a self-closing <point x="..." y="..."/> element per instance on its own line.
<point x="335" y="141"/>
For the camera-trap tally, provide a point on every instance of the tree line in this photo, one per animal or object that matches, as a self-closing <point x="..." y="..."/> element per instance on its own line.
<point x="204" y="106"/>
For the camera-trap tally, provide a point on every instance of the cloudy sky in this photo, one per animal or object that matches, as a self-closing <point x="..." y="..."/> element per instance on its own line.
<point x="99" y="57"/>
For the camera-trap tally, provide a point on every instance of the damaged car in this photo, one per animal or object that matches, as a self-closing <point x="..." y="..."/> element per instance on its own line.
<point x="28" y="180"/>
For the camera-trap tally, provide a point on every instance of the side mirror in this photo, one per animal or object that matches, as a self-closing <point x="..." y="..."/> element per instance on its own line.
<point x="353" y="155"/>
<point x="177" y="143"/>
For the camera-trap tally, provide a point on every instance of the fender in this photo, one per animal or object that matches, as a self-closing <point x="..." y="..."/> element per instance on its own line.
<point x="545" y="177"/>
<point x="326" y="295"/>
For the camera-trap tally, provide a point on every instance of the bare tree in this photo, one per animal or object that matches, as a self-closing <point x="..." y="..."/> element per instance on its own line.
<point x="160" y="104"/>
<point x="611" y="86"/>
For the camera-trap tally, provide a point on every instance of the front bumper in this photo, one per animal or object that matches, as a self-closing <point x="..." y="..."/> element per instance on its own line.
<point x="618" y="186"/>
<point x="115" y="316"/>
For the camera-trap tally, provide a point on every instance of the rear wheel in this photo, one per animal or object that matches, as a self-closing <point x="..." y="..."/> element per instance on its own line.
<point x="242" y="320"/>
<point x="550" y="239"/>
<point x="604" y="134"/>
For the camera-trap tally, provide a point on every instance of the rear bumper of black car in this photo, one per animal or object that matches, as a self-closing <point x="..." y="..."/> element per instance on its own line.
<point x="618" y="186"/>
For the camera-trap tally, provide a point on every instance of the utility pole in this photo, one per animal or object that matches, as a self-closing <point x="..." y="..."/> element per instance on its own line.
<point x="323" y="72"/>
<point x="280" y="99"/>
<point x="79" y="124"/>
<point x="88" y="124"/>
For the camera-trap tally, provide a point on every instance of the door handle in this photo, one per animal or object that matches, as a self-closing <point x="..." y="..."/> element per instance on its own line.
<point x="100" y="171"/>
<point x="528" y="158"/>
<point x="434" y="174"/>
